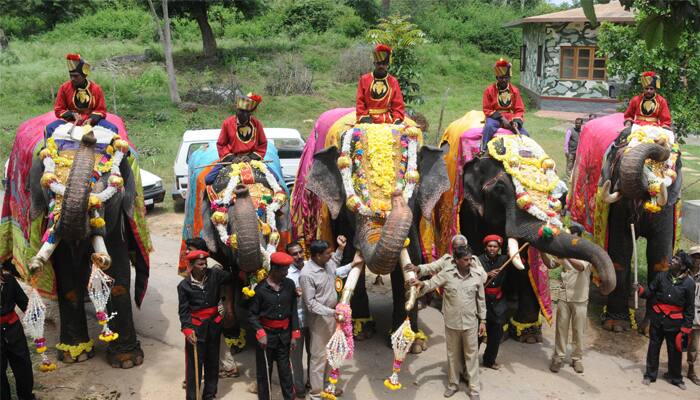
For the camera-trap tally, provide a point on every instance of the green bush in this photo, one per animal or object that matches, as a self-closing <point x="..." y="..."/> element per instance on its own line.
<point x="185" y="30"/>
<point x="153" y="77"/>
<point x="349" y="25"/>
<point x="16" y="27"/>
<point x="475" y="23"/>
<point x="315" y="16"/>
<point x="117" y="24"/>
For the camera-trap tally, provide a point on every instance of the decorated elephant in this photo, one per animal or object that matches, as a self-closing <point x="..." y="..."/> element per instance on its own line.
<point x="243" y="216"/>
<point x="634" y="179"/>
<point x="514" y="192"/>
<point x="371" y="183"/>
<point x="86" y="210"/>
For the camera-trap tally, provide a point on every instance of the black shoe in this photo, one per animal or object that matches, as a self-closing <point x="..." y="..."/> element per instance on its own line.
<point x="646" y="381"/>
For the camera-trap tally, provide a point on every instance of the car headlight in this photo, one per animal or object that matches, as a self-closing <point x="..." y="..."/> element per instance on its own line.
<point x="158" y="184"/>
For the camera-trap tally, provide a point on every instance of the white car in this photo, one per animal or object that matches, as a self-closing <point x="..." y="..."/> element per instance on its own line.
<point x="153" y="190"/>
<point x="288" y="142"/>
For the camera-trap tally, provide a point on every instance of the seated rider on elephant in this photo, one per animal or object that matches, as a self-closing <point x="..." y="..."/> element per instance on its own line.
<point x="648" y="108"/>
<point x="79" y="100"/>
<point x="241" y="135"/>
<point x="502" y="105"/>
<point x="379" y="97"/>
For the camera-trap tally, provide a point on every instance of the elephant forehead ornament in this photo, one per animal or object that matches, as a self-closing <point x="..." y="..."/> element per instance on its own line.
<point x="659" y="174"/>
<point x="367" y="163"/>
<point x="537" y="186"/>
<point x="82" y="169"/>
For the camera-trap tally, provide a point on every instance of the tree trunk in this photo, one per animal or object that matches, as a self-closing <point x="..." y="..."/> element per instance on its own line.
<point x="199" y="11"/>
<point x="386" y="6"/>
<point x="165" y="38"/>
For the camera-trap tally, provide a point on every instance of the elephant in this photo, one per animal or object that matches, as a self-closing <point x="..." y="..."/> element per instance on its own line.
<point x="380" y="239"/>
<point x="625" y="196"/>
<point x="91" y="227"/>
<point x="489" y="203"/>
<point x="237" y="229"/>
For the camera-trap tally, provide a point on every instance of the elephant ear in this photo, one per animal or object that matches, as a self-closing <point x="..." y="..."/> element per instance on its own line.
<point x="434" y="180"/>
<point x="324" y="180"/>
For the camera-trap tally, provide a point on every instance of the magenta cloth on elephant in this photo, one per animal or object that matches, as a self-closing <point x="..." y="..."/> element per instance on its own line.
<point x="596" y="137"/>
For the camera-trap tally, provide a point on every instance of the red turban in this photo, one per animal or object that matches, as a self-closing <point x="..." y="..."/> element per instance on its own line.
<point x="196" y="254"/>
<point x="649" y="78"/>
<point x="493" y="238"/>
<point x="281" y="259"/>
<point x="382" y="53"/>
<point x="502" y="68"/>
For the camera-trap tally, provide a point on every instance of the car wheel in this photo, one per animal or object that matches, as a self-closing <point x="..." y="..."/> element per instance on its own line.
<point x="150" y="208"/>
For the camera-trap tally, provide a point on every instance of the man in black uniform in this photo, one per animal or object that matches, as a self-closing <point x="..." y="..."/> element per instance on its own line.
<point x="672" y="295"/>
<point x="13" y="343"/>
<point x="198" y="297"/>
<point x="273" y="315"/>
<point x="496" y="305"/>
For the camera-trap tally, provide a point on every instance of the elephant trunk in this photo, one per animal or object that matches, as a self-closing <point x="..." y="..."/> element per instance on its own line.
<point x="562" y="245"/>
<point x="381" y="244"/>
<point x="244" y="224"/>
<point x="73" y="224"/>
<point x="633" y="183"/>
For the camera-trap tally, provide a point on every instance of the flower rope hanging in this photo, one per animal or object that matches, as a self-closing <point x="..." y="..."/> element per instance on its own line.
<point x="401" y="341"/>
<point x="99" y="289"/>
<point x="379" y="161"/>
<point x="340" y="347"/>
<point x="33" y="320"/>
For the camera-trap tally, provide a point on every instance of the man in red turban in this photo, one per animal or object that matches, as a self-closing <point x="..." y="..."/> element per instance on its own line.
<point x="649" y="108"/>
<point x="379" y="99"/>
<point x="79" y="100"/>
<point x="502" y="104"/>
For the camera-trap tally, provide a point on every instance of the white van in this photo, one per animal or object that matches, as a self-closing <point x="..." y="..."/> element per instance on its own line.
<point x="288" y="142"/>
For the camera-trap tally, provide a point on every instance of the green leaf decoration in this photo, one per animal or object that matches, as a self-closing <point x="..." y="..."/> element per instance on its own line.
<point x="589" y="11"/>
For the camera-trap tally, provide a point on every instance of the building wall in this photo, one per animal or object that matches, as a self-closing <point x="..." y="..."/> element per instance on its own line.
<point x="552" y="37"/>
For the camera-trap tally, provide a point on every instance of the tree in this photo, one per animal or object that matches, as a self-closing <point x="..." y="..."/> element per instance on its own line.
<point x="402" y="36"/>
<point x="28" y="17"/>
<point x="163" y="26"/>
<point x="679" y="69"/>
<point x="663" y="21"/>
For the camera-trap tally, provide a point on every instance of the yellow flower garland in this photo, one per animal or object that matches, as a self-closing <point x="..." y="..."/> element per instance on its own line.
<point x="77" y="349"/>
<point x="514" y="163"/>
<point x="380" y="154"/>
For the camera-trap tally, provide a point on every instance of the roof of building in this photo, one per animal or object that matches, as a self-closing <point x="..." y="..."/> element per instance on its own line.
<point x="611" y="12"/>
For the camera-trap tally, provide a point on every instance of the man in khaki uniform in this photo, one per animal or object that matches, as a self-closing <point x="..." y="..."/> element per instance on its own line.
<point x="694" y="342"/>
<point x="464" y="310"/>
<point x="571" y="308"/>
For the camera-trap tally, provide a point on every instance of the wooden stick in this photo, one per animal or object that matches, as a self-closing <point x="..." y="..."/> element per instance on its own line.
<point x="634" y="254"/>
<point x="198" y="394"/>
<point x="505" y="264"/>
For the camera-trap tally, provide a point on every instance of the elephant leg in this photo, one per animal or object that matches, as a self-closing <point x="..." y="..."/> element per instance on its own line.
<point x="616" y="316"/>
<point x="71" y="266"/>
<point x="363" y="323"/>
<point x="658" y="229"/>
<point x="526" y="325"/>
<point x="125" y="351"/>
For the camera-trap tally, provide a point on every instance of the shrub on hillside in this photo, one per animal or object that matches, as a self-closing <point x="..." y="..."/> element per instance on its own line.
<point x="109" y="24"/>
<point x="314" y="16"/>
<point x="289" y="75"/>
<point x="353" y="63"/>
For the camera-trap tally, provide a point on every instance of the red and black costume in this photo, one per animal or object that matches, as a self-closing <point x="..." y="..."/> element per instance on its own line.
<point x="672" y="302"/>
<point x="380" y="99"/>
<point x="649" y="111"/>
<point x="273" y="313"/>
<point x="238" y="138"/>
<point x="198" y="310"/>
<point x="502" y="105"/>
<point x="13" y="342"/>
<point x="496" y="305"/>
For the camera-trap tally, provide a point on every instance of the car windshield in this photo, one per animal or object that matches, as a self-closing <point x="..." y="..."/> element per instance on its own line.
<point x="289" y="147"/>
<point x="194" y="147"/>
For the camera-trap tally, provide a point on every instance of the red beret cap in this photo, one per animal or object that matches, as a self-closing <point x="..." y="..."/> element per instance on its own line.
<point x="281" y="259"/>
<point x="493" y="238"/>
<point x="195" y="254"/>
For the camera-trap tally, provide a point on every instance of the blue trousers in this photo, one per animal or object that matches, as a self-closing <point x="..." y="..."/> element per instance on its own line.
<point x="490" y="129"/>
<point x="50" y="128"/>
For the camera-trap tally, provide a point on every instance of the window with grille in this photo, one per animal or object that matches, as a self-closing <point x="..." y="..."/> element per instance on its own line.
<point x="581" y="63"/>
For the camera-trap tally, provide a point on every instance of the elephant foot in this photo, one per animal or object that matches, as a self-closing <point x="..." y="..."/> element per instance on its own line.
<point x="236" y="344"/>
<point x="416" y="348"/>
<point x="526" y="332"/>
<point x="420" y="344"/>
<point x="363" y="328"/>
<point x="125" y="360"/>
<point x="102" y="260"/>
<point x="75" y="354"/>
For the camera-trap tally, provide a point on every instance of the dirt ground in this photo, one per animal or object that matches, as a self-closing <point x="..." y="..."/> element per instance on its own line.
<point x="614" y="363"/>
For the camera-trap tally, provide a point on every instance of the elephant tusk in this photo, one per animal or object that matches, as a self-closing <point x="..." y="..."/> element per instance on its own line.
<point x="610" y="197"/>
<point x="405" y="259"/>
<point x="100" y="257"/>
<point x="513" y="253"/>
<point x="351" y="282"/>
<point x="662" y="199"/>
<point x="43" y="255"/>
